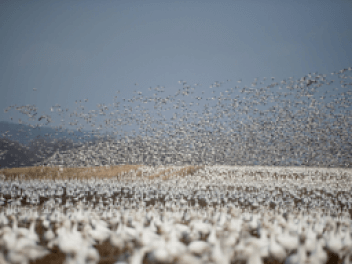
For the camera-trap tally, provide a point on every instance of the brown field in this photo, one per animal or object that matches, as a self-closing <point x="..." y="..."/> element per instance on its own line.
<point x="53" y="173"/>
<point x="103" y="172"/>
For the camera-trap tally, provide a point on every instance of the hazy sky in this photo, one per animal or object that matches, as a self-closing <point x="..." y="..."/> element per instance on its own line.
<point x="71" y="50"/>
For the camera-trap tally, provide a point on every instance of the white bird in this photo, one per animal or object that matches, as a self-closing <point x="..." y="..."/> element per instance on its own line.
<point x="255" y="252"/>
<point x="264" y="243"/>
<point x="138" y="255"/>
<point x="100" y="233"/>
<point x="161" y="255"/>
<point x="276" y="250"/>
<point x="198" y="247"/>
<point x="299" y="257"/>
<point x="311" y="240"/>
<point x="69" y="242"/>
<point x="334" y="241"/>
<point x="174" y="246"/>
<point x="318" y="255"/>
<point x="31" y="233"/>
<point x="347" y="241"/>
<point x="288" y="241"/>
<point x="34" y="252"/>
<point x="221" y="255"/>
<point x="49" y="235"/>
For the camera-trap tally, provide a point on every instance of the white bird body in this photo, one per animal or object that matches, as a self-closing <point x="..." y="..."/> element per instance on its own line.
<point x="68" y="242"/>
<point x="264" y="243"/>
<point x="334" y="241"/>
<point x="31" y="233"/>
<point x="22" y="243"/>
<point x="34" y="252"/>
<point x="198" y="247"/>
<point x="49" y="235"/>
<point x="15" y="257"/>
<point x="247" y="248"/>
<point x="117" y="241"/>
<point x="276" y="250"/>
<point x="219" y="255"/>
<point x="9" y="239"/>
<point x="161" y="255"/>
<point x="299" y="257"/>
<point x="347" y="241"/>
<point x="212" y="237"/>
<point x="288" y="241"/>
<point x="138" y="254"/>
<point x="199" y="226"/>
<point x="311" y="241"/>
<point x="87" y="254"/>
<point x="318" y="255"/>
<point x="100" y="233"/>
<point x="182" y="229"/>
<point x="255" y="256"/>
<point x="174" y="246"/>
<point x="235" y="225"/>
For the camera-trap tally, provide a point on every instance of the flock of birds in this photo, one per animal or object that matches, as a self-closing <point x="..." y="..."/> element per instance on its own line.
<point x="216" y="214"/>
<point x="293" y="122"/>
<point x="261" y="192"/>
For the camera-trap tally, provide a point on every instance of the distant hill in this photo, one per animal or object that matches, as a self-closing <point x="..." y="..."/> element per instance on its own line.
<point x="24" y="134"/>
<point x="14" y="154"/>
<point x="24" y="145"/>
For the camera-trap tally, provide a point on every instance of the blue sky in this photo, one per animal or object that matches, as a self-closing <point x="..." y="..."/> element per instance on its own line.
<point x="72" y="50"/>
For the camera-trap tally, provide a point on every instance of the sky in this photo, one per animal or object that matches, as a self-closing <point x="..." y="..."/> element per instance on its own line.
<point x="75" y="50"/>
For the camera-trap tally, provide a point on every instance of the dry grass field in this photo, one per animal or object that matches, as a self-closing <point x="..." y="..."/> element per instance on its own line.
<point x="40" y="172"/>
<point x="106" y="172"/>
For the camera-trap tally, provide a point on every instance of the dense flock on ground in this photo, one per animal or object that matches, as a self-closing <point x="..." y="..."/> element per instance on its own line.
<point x="171" y="214"/>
